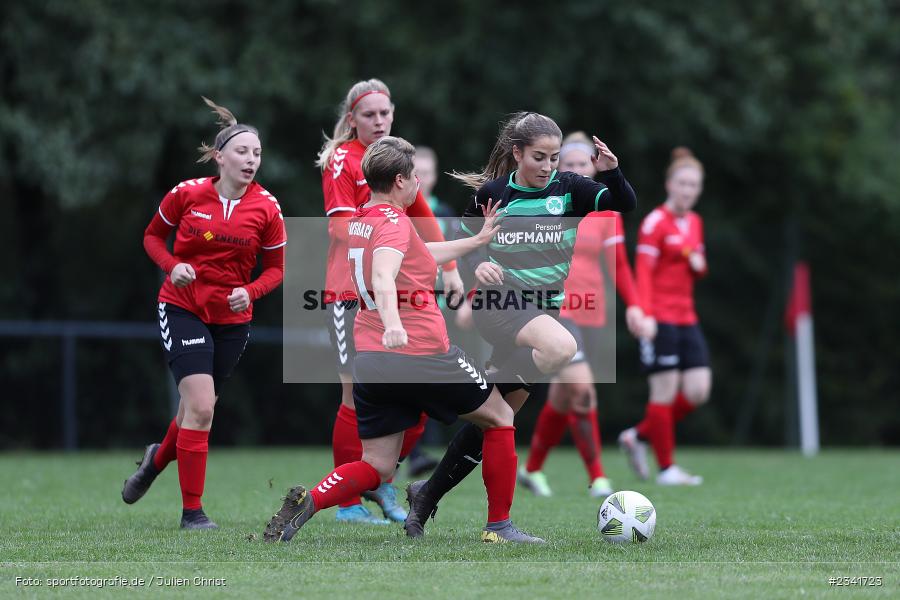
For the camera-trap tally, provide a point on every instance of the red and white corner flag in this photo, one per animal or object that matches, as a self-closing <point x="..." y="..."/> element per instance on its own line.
<point x="799" y="321"/>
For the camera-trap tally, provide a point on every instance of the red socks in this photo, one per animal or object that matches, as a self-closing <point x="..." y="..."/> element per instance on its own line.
<point x="548" y="432"/>
<point x="681" y="408"/>
<point x="346" y="482"/>
<point x="659" y="429"/>
<point x="192" y="449"/>
<point x="167" y="449"/>
<point x="411" y="436"/>
<point x="345" y="444"/>
<point x="586" y="433"/>
<point x="498" y="469"/>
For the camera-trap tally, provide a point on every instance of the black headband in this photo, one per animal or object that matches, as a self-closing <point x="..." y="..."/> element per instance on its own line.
<point x="228" y="139"/>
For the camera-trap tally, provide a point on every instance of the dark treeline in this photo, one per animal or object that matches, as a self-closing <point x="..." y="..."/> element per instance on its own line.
<point x="791" y="106"/>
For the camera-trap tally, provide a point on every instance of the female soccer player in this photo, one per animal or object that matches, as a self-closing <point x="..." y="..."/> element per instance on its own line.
<point x="572" y="397"/>
<point x="521" y="274"/>
<point x="670" y="257"/>
<point x="205" y="305"/>
<point x="365" y="115"/>
<point x="398" y="338"/>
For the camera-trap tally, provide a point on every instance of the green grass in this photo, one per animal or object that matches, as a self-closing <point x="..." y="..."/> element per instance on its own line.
<point x="765" y="524"/>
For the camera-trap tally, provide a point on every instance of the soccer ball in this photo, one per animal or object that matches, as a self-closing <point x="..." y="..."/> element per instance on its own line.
<point x="626" y="517"/>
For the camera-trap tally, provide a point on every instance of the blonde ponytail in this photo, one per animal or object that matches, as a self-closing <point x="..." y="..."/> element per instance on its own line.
<point x="230" y="128"/>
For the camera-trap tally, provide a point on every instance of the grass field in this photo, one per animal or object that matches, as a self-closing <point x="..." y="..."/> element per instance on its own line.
<point x="765" y="524"/>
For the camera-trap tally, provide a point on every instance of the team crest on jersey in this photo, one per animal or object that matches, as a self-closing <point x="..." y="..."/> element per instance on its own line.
<point x="555" y="205"/>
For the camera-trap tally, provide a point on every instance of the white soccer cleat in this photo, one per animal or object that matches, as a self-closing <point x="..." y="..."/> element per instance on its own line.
<point x="636" y="450"/>
<point x="675" y="475"/>
<point x="600" y="488"/>
<point x="536" y="482"/>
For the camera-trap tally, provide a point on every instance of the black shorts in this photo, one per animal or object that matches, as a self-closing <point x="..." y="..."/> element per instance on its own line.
<point x="386" y="405"/>
<point x="193" y="347"/>
<point x="678" y="347"/>
<point x="589" y="339"/>
<point x="340" y="319"/>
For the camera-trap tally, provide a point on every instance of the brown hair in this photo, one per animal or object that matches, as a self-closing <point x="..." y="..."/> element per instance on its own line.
<point x="520" y="130"/>
<point x="343" y="133"/>
<point x="683" y="157"/>
<point x="230" y="128"/>
<point x="384" y="159"/>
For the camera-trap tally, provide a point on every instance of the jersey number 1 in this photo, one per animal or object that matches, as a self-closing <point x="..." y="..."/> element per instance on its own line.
<point x="356" y="257"/>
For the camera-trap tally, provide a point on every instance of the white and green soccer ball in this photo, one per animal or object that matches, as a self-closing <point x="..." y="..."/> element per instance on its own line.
<point x="626" y="517"/>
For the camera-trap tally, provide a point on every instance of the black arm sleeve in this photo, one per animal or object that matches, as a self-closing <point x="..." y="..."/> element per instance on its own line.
<point x="470" y="224"/>
<point x="620" y="196"/>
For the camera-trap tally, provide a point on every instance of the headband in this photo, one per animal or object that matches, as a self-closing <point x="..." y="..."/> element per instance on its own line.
<point x="361" y="96"/>
<point x="587" y="149"/>
<point x="228" y="139"/>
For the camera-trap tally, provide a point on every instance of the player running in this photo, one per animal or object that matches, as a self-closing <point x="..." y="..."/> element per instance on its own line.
<point x="572" y="397"/>
<point x="670" y="257"/>
<point x="205" y="305"/>
<point x="365" y="115"/>
<point x="529" y="341"/>
<point x="397" y="336"/>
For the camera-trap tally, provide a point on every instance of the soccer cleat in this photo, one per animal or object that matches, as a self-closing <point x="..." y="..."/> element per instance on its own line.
<point x="296" y="510"/>
<point x="636" y="451"/>
<point x="502" y="532"/>
<point x="600" y="488"/>
<point x="196" y="519"/>
<point x="675" y="475"/>
<point x="535" y="481"/>
<point x="385" y="496"/>
<point x="357" y="513"/>
<point x="137" y="485"/>
<point x="420" y="509"/>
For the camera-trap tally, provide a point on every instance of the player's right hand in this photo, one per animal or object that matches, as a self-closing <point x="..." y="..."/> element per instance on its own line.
<point x="394" y="337"/>
<point x="488" y="273"/>
<point x="648" y="328"/>
<point x="183" y="275"/>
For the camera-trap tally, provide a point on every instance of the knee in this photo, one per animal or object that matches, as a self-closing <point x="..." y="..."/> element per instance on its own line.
<point x="584" y="398"/>
<point x="559" y="354"/>
<point x="202" y="414"/>
<point x="697" y="395"/>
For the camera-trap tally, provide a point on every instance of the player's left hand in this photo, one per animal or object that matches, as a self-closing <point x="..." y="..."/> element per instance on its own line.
<point x="605" y="159"/>
<point x="634" y="318"/>
<point x="453" y="284"/>
<point x="697" y="262"/>
<point x="394" y="337"/>
<point x="239" y="300"/>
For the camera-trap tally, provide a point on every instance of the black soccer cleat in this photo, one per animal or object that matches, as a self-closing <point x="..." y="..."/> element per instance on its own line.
<point x="296" y="510"/>
<point x="137" y="485"/>
<point x="421" y="507"/>
<point x="196" y="519"/>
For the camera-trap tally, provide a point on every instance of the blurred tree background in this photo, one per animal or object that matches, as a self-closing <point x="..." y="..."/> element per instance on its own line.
<point x="791" y="106"/>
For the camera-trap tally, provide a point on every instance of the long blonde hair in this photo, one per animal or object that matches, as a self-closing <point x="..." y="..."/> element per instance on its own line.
<point x="230" y="128"/>
<point x="520" y="129"/>
<point x="343" y="133"/>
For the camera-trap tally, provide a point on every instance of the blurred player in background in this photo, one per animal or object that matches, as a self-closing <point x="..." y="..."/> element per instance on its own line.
<point x="572" y="397"/>
<point x="398" y="339"/>
<point x="528" y="339"/>
<point x="205" y="305"/>
<point x="364" y="116"/>
<point x="670" y="258"/>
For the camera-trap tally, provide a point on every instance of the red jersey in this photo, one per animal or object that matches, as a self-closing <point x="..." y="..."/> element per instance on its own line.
<point x="665" y="278"/>
<point x="220" y="239"/>
<point x="598" y="233"/>
<point x="345" y="189"/>
<point x="382" y="228"/>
